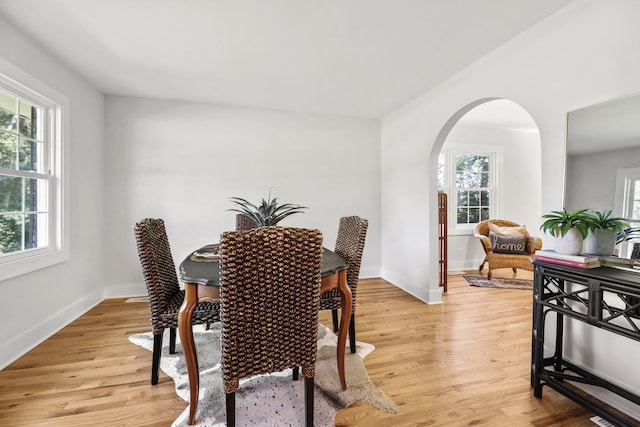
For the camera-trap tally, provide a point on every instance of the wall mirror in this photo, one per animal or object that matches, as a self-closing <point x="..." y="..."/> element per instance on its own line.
<point x="601" y="139"/>
<point x="603" y="150"/>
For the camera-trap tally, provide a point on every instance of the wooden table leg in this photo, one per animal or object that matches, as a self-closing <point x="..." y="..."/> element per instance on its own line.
<point x="188" y="346"/>
<point x="345" y="298"/>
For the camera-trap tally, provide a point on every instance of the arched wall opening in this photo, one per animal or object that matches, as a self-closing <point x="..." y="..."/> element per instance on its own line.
<point x="506" y="131"/>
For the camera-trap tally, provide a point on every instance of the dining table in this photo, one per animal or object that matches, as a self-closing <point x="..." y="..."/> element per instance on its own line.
<point x="200" y="274"/>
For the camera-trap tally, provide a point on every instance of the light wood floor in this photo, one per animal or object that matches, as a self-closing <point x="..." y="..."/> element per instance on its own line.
<point x="462" y="363"/>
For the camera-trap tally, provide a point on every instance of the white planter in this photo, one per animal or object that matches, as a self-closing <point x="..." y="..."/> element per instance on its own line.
<point x="600" y="242"/>
<point x="569" y="244"/>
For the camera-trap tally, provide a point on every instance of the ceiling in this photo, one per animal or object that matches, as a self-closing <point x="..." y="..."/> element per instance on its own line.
<point x="359" y="58"/>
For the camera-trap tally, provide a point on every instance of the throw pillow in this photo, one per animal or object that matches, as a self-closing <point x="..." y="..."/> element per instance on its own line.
<point x="520" y="230"/>
<point x="508" y="244"/>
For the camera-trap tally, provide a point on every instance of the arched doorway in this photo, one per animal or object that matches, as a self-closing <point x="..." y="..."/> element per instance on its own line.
<point x="489" y="164"/>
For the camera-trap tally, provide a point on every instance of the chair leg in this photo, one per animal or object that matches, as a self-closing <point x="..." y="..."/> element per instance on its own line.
<point x="231" y="409"/>
<point x="172" y="340"/>
<point x="489" y="274"/>
<point x="334" y="316"/>
<point x="308" y="402"/>
<point x="155" y="358"/>
<point x="296" y="373"/>
<point x="352" y="333"/>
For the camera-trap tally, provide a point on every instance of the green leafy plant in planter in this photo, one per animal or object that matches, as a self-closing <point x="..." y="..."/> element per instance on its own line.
<point x="603" y="231"/>
<point x="597" y="220"/>
<point x="268" y="212"/>
<point x="569" y="229"/>
<point x="558" y="223"/>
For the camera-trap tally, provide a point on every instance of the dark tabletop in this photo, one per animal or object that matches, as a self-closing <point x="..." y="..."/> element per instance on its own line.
<point x="205" y="271"/>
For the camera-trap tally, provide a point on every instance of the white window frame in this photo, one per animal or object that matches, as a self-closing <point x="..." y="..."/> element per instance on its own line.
<point x="16" y="81"/>
<point x="623" y="205"/>
<point x="450" y="152"/>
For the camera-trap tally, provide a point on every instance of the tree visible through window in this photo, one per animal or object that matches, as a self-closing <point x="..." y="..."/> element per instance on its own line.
<point x="473" y="188"/>
<point x="469" y="176"/>
<point x="24" y="181"/>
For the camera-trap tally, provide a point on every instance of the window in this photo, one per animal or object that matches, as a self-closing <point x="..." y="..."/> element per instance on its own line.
<point x="24" y="183"/>
<point x="31" y="223"/>
<point x="473" y="188"/>
<point x="469" y="177"/>
<point x="633" y="207"/>
<point x="627" y="201"/>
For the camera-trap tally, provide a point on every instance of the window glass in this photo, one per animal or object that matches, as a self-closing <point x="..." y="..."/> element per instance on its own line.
<point x="468" y="176"/>
<point x="441" y="172"/>
<point x="24" y="187"/>
<point x="635" y="203"/>
<point x="473" y="182"/>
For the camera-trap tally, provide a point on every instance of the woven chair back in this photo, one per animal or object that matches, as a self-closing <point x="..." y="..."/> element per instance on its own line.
<point x="245" y="222"/>
<point x="270" y="279"/>
<point x="352" y="232"/>
<point x="158" y="267"/>
<point x="483" y="226"/>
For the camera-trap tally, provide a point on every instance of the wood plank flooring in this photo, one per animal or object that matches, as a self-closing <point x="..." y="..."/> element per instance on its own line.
<point x="462" y="363"/>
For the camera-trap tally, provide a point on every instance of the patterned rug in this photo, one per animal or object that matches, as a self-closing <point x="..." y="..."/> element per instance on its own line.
<point x="497" y="282"/>
<point x="274" y="399"/>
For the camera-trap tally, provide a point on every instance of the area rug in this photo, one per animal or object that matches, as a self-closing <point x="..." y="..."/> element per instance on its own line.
<point x="497" y="282"/>
<point x="274" y="399"/>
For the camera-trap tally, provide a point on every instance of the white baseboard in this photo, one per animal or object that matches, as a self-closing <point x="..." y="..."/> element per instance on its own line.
<point x="22" y="343"/>
<point x="424" y="294"/>
<point x="125" y="290"/>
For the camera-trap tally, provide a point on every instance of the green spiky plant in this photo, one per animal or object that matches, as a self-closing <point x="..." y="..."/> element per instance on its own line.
<point x="268" y="212"/>
<point x="604" y="221"/>
<point x="558" y="223"/>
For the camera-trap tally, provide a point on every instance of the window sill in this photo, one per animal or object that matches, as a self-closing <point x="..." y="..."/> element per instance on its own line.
<point x="28" y="263"/>
<point x="466" y="231"/>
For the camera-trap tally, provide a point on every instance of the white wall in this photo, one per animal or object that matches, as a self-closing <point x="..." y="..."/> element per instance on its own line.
<point x="33" y="306"/>
<point x="519" y="186"/>
<point x="584" y="54"/>
<point x="591" y="178"/>
<point x="181" y="161"/>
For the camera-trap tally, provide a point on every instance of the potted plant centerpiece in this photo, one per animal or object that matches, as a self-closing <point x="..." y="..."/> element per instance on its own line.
<point x="569" y="230"/>
<point x="268" y="212"/>
<point x="603" y="232"/>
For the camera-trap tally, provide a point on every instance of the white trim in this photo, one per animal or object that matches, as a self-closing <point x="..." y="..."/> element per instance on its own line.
<point x="450" y="150"/>
<point x="622" y="197"/>
<point x="24" y="341"/>
<point x="30" y="88"/>
<point x="623" y="191"/>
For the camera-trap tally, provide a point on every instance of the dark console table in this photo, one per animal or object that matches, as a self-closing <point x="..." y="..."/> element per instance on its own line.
<point x="605" y="298"/>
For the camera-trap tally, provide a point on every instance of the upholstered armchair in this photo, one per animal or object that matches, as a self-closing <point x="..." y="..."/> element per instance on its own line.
<point x="503" y="253"/>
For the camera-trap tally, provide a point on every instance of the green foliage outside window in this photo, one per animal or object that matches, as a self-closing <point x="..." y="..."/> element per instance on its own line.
<point x="19" y="151"/>
<point x="473" y="182"/>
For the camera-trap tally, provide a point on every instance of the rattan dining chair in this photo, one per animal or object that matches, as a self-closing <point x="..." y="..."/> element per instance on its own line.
<point x="245" y="222"/>
<point x="352" y="233"/>
<point x="165" y="295"/>
<point x="270" y="281"/>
